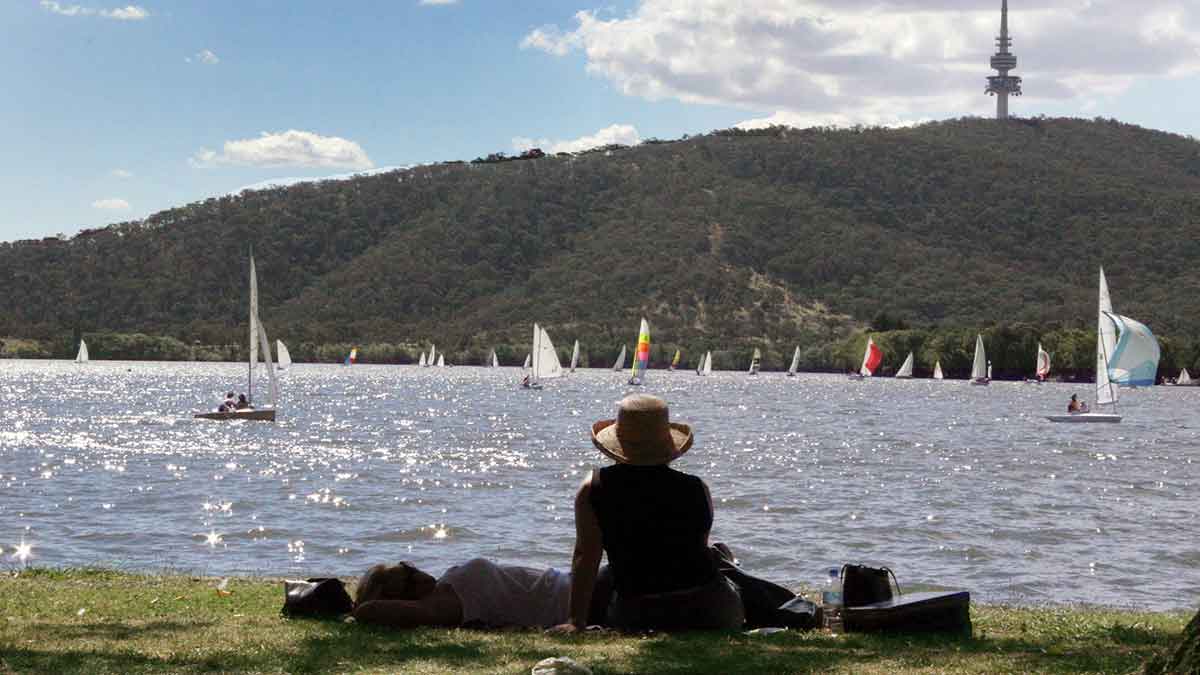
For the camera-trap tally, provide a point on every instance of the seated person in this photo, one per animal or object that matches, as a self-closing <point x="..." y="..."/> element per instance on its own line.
<point x="477" y="593"/>
<point x="1075" y="406"/>
<point x="653" y="522"/>
<point x="242" y="403"/>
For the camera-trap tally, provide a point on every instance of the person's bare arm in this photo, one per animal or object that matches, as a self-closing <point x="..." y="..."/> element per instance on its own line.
<point x="711" y="511"/>
<point x="440" y="608"/>
<point x="585" y="564"/>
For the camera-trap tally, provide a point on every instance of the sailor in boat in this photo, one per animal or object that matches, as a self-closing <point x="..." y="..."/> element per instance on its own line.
<point x="243" y="404"/>
<point x="229" y="405"/>
<point x="525" y="382"/>
<point x="1076" y="406"/>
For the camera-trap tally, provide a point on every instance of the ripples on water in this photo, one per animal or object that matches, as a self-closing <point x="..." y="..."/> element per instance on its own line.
<point x="950" y="485"/>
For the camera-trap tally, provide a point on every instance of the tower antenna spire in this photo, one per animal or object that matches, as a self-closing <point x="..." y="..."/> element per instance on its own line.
<point x="1002" y="85"/>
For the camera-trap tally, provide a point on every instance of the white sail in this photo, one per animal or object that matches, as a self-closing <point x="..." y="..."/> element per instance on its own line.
<point x="708" y="363"/>
<point x="937" y="371"/>
<point x="545" y="358"/>
<point x="795" y="362"/>
<point x="1134" y="361"/>
<point x="422" y="363"/>
<point x="575" y="356"/>
<point x="754" y="361"/>
<point x="1184" y="378"/>
<point x="906" y="370"/>
<point x="495" y="362"/>
<point x="1043" y="363"/>
<point x="979" y="367"/>
<point x="1106" y="342"/>
<point x="620" y="362"/>
<point x="432" y="356"/>
<point x="265" y="345"/>
<point x="253" y="315"/>
<point x="285" y="357"/>
<point x="441" y="361"/>
<point x="82" y="356"/>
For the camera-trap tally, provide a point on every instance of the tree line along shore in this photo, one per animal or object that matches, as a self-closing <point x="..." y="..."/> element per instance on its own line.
<point x="1012" y="348"/>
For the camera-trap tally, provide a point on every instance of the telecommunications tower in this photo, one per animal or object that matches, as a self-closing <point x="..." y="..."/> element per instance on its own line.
<point x="1003" y="84"/>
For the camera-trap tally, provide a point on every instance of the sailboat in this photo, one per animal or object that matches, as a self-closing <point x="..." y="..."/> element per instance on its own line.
<point x="432" y="356"/>
<point x="937" y="371"/>
<point x="82" y="356"/>
<point x="707" y="364"/>
<point x="755" y="359"/>
<point x="352" y="357"/>
<point x="493" y="361"/>
<point x="258" y="338"/>
<point x="575" y="356"/>
<point x="619" y="364"/>
<point x="675" y="360"/>
<point x="545" y="365"/>
<point x="528" y="361"/>
<point x="795" y="363"/>
<point x="285" y="357"/>
<point x="1042" y="368"/>
<point x="641" y="357"/>
<point x="422" y="363"/>
<point x="441" y="361"/>
<point x="1184" y="379"/>
<point x="872" y="357"/>
<point x="906" y="370"/>
<point x="981" y="370"/>
<point x="1126" y="354"/>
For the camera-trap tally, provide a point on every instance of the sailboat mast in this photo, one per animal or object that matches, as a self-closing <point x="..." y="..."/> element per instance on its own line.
<point x="1111" y="394"/>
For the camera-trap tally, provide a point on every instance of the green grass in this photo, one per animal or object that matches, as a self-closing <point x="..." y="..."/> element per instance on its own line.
<point x="152" y="624"/>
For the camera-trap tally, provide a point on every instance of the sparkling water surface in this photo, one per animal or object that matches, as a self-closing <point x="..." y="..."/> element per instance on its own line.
<point x="948" y="484"/>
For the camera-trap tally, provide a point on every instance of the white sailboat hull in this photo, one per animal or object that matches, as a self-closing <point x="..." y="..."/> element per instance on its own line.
<point x="255" y="414"/>
<point x="1085" y="418"/>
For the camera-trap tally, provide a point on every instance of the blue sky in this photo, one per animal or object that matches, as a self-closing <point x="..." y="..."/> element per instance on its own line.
<point x="114" y="110"/>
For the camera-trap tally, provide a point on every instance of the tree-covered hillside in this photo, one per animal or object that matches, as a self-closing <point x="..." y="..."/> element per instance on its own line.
<point x="776" y="237"/>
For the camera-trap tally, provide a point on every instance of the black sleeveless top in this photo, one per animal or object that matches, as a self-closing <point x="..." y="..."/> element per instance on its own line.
<point x="654" y="522"/>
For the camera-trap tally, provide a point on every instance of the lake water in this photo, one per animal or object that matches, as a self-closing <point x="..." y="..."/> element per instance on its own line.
<point x="950" y="485"/>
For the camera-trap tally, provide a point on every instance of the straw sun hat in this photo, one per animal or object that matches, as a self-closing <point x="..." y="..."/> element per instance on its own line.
<point x="642" y="434"/>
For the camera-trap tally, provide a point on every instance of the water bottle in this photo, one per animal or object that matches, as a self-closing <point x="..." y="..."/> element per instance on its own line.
<point x="831" y="600"/>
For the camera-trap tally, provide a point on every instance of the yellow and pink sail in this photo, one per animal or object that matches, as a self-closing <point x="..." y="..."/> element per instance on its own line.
<point x="641" y="356"/>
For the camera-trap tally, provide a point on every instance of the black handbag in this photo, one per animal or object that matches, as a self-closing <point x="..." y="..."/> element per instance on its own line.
<point x="862" y="585"/>
<point x="316" y="597"/>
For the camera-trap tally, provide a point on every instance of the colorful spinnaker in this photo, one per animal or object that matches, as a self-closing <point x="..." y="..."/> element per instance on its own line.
<point x="352" y="357"/>
<point x="872" y="357"/>
<point x="641" y="356"/>
<point x="675" y="361"/>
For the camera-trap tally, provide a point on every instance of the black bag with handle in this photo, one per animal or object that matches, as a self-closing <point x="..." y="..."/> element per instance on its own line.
<point x="319" y="597"/>
<point x="869" y="605"/>
<point x="862" y="585"/>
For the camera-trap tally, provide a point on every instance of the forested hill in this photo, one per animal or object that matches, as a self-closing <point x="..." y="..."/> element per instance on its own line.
<point x="779" y="235"/>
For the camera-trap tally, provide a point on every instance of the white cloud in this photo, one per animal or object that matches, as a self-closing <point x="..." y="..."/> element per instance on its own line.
<point x="120" y="173"/>
<point x="616" y="134"/>
<point x="111" y="204"/>
<point x="439" y="2"/>
<point x="288" y="148"/>
<point x="205" y="56"/>
<point x="126" y="13"/>
<point x="866" y="61"/>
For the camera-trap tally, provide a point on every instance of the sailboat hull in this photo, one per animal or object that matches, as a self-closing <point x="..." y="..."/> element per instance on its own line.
<point x="1085" y="418"/>
<point x="982" y="382"/>
<point x="256" y="415"/>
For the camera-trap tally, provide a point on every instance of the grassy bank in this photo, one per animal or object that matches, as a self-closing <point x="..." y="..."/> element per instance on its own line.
<point x="111" y="622"/>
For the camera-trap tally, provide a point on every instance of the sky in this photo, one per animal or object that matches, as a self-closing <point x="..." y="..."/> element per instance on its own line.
<point x="111" y="111"/>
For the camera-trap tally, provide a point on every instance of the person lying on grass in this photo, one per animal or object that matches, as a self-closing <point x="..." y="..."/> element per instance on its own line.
<point x="477" y="593"/>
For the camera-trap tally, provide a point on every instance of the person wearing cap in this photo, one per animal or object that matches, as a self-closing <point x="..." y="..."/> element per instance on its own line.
<point x="653" y="523"/>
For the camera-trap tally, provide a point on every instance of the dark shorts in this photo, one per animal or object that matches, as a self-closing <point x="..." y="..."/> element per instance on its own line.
<point x="714" y="606"/>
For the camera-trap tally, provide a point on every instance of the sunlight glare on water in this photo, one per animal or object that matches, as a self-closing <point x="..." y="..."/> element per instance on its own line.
<point x="950" y="485"/>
